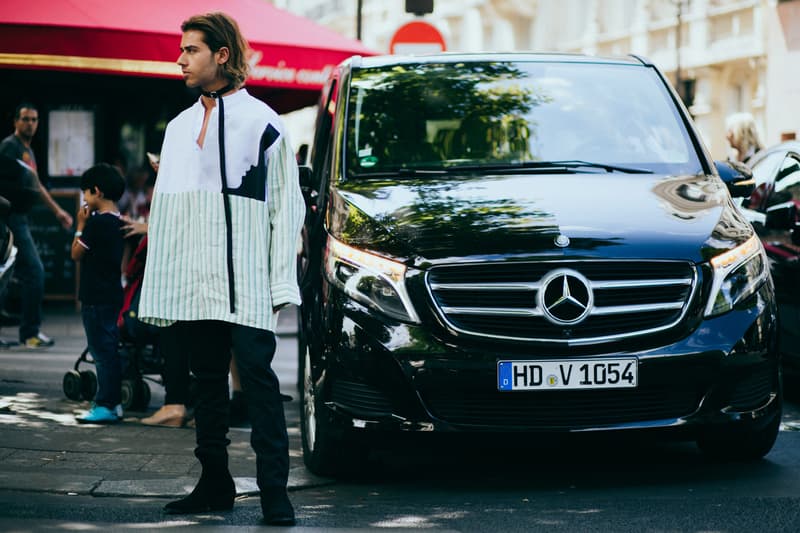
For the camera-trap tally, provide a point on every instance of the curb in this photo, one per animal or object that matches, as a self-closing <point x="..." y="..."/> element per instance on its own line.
<point x="299" y="478"/>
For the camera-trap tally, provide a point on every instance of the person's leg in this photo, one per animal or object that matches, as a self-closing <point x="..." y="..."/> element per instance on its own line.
<point x="102" y="336"/>
<point x="30" y="273"/>
<point x="254" y="349"/>
<point x="176" y="381"/>
<point x="208" y="345"/>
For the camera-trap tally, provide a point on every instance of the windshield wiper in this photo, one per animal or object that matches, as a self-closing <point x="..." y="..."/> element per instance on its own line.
<point x="606" y="166"/>
<point x="566" y="165"/>
<point x="400" y="172"/>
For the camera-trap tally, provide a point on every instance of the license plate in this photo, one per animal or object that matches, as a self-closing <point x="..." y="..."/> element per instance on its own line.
<point x="567" y="374"/>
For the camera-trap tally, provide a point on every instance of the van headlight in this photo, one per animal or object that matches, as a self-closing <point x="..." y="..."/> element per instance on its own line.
<point x="738" y="273"/>
<point x="374" y="281"/>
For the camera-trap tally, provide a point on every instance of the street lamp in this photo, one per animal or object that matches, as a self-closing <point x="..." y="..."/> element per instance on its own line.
<point x="679" y="84"/>
<point x="358" y="19"/>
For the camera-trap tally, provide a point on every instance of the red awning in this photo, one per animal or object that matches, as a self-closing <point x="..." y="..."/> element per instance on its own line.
<point x="142" y="37"/>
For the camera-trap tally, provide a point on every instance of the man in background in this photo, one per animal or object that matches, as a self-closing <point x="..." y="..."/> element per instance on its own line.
<point x="28" y="269"/>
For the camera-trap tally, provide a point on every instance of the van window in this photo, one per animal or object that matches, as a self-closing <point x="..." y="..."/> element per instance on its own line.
<point x="454" y="114"/>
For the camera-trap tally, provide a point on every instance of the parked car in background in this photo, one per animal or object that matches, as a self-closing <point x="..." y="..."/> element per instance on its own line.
<point x="772" y="208"/>
<point x="530" y="244"/>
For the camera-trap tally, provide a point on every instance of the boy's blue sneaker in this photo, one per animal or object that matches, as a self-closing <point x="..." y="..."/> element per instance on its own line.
<point x="99" y="415"/>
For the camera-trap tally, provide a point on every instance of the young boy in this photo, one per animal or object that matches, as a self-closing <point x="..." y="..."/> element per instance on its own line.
<point x="98" y="246"/>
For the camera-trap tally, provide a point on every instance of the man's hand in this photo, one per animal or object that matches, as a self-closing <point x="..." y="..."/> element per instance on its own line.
<point x="130" y="227"/>
<point x="64" y="218"/>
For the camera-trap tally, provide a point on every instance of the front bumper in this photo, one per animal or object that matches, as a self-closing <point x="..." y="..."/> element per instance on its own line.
<point x="382" y="376"/>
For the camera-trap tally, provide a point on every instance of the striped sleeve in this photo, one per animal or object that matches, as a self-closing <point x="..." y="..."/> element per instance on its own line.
<point x="286" y="209"/>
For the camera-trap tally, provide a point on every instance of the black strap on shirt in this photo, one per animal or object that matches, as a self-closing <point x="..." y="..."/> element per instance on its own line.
<point x="226" y="200"/>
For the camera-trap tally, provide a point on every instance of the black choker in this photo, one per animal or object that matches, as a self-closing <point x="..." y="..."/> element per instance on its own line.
<point x="217" y="94"/>
<point x="226" y="201"/>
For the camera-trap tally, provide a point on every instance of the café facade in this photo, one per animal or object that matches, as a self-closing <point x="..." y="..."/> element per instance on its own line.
<point x="104" y="78"/>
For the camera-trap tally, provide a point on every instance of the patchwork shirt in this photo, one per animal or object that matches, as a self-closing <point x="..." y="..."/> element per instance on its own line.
<point x="186" y="271"/>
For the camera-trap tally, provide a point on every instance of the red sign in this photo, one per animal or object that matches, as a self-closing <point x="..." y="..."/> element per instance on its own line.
<point x="417" y="37"/>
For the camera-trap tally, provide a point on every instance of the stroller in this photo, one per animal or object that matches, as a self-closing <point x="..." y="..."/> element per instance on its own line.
<point x="138" y="348"/>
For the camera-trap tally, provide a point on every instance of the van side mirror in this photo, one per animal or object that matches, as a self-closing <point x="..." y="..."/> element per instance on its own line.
<point x="737" y="177"/>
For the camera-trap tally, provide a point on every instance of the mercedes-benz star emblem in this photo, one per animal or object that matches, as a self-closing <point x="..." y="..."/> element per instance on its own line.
<point x="565" y="297"/>
<point x="562" y="241"/>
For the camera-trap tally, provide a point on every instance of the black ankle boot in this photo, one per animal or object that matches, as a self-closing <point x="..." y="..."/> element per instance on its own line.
<point x="214" y="492"/>
<point x="277" y="508"/>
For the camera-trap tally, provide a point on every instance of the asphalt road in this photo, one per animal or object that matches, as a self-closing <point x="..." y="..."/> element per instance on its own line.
<point x="455" y="484"/>
<point x="611" y="487"/>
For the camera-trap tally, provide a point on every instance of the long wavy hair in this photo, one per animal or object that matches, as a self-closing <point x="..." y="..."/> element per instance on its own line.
<point x="221" y="30"/>
<point x="744" y="133"/>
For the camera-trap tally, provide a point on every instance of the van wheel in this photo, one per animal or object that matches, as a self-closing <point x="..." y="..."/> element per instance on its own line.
<point x="301" y="349"/>
<point x="328" y="450"/>
<point x="739" y="445"/>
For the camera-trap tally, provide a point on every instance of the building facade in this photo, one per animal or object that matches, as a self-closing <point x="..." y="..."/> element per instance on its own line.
<point x="729" y="55"/>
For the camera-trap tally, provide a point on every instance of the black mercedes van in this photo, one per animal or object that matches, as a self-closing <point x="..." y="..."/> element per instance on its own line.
<point x="526" y="243"/>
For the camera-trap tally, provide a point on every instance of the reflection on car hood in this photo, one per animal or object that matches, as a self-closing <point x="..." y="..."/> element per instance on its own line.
<point x="604" y="216"/>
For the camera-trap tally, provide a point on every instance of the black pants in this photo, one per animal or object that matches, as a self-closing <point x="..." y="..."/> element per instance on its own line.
<point x="176" y="368"/>
<point x="208" y="345"/>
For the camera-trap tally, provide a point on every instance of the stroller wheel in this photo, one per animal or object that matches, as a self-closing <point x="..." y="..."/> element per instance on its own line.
<point x="88" y="384"/>
<point x="72" y="385"/>
<point x="142" y="399"/>
<point x="127" y="393"/>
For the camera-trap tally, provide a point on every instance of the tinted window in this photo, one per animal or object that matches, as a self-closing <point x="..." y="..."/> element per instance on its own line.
<point x="447" y="115"/>
<point x="764" y="175"/>
<point x="787" y="183"/>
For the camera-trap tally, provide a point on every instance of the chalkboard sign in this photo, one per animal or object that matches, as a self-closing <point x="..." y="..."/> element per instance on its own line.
<point x="54" y="244"/>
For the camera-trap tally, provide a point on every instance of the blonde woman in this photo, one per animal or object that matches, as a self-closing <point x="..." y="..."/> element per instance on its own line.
<point x="742" y="135"/>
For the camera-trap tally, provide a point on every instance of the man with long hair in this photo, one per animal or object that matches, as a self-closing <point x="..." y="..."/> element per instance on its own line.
<point x="224" y="225"/>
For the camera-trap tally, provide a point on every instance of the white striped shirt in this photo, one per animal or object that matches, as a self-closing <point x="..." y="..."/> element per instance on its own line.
<point x="186" y="275"/>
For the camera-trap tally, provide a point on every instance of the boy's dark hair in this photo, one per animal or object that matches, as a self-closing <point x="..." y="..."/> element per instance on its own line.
<point x="106" y="178"/>
<point x="221" y="30"/>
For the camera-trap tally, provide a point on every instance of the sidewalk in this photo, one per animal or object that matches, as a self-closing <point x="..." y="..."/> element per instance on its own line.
<point x="43" y="449"/>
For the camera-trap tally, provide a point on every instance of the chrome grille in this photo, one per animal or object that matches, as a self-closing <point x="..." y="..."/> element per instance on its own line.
<point x="499" y="300"/>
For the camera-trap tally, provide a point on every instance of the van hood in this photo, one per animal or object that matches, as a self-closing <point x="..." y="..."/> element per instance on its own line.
<point x="427" y="221"/>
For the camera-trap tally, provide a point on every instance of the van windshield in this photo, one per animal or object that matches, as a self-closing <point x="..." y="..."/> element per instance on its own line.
<point x="447" y="116"/>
